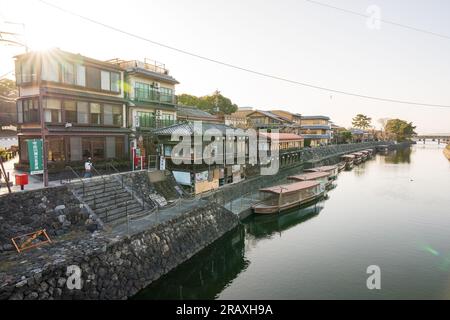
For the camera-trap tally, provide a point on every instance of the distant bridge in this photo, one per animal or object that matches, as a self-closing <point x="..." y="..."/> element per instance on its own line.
<point x="444" y="138"/>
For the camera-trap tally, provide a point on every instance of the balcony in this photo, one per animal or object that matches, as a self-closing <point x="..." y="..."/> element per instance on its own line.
<point x="149" y="121"/>
<point x="153" y="96"/>
<point x="316" y="127"/>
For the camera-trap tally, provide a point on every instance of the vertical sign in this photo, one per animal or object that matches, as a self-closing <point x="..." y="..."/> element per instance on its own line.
<point x="35" y="153"/>
<point x="162" y="163"/>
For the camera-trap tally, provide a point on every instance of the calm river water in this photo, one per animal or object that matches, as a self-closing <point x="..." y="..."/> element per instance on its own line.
<point x="392" y="211"/>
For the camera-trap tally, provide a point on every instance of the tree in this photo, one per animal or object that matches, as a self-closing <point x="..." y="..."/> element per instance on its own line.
<point x="346" y="136"/>
<point x="399" y="129"/>
<point x="361" y="121"/>
<point x="8" y="94"/>
<point x="215" y="103"/>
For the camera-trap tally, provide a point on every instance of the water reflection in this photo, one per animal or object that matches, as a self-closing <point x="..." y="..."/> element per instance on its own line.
<point x="206" y="274"/>
<point x="398" y="156"/>
<point x="264" y="226"/>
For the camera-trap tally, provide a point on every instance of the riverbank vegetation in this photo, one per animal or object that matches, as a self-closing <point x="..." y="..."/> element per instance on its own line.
<point x="400" y="130"/>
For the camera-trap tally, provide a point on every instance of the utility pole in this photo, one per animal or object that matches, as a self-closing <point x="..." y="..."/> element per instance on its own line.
<point x="42" y="120"/>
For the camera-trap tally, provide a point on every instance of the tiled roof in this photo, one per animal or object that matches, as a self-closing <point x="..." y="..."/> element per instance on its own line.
<point x="282" y="136"/>
<point x="315" y="117"/>
<point x="188" y="129"/>
<point x="186" y="112"/>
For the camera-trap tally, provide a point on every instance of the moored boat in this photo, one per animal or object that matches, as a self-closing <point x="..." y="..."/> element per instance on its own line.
<point x="284" y="197"/>
<point x="321" y="177"/>
<point x="358" y="158"/>
<point x="333" y="170"/>
<point x="348" y="159"/>
<point x="341" y="166"/>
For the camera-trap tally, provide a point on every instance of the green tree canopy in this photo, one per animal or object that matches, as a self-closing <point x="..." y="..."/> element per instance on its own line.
<point x="400" y="129"/>
<point x="346" y="136"/>
<point x="215" y="103"/>
<point x="361" y="121"/>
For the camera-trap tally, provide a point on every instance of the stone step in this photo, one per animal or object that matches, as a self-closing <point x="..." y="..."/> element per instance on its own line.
<point x="121" y="217"/>
<point x="107" y="196"/>
<point x="96" y="187"/>
<point x="112" y="206"/>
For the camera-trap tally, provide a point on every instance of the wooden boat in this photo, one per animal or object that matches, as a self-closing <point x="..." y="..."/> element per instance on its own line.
<point x="348" y="158"/>
<point x="365" y="155"/>
<point x="321" y="177"/>
<point x="333" y="170"/>
<point x="284" y="197"/>
<point x="341" y="166"/>
<point x="358" y="158"/>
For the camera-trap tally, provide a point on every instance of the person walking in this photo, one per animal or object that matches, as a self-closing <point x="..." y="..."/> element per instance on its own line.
<point x="88" y="168"/>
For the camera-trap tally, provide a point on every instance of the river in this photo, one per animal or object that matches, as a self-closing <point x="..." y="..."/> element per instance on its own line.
<point x="392" y="211"/>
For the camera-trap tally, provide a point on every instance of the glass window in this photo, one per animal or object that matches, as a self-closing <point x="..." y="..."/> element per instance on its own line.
<point x="106" y="80"/>
<point x="52" y="110"/>
<point x="30" y="110"/>
<point x="107" y="114"/>
<point x="70" y="111"/>
<point x="82" y="112"/>
<point x="86" y="147"/>
<point x="75" y="149"/>
<point x="115" y="82"/>
<point x="56" y="149"/>
<point x="68" y="73"/>
<point x="117" y="115"/>
<point x="50" y="69"/>
<point x="96" y="113"/>
<point x="28" y="73"/>
<point x="81" y="75"/>
<point x="98" y="148"/>
<point x="93" y="78"/>
<point x="167" y="95"/>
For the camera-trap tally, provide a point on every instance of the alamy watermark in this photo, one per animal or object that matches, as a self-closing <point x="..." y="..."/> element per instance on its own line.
<point x="227" y="147"/>
<point x="374" y="280"/>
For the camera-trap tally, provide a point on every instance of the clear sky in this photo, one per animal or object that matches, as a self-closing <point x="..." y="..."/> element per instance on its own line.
<point x="294" y="39"/>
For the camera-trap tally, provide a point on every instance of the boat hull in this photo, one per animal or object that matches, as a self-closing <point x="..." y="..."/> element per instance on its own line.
<point x="277" y="209"/>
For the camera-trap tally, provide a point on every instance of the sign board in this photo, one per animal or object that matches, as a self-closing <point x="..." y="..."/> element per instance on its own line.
<point x="162" y="163"/>
<point x="35" y="155"/>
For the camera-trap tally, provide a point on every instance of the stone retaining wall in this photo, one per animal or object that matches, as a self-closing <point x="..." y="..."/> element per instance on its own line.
<point x="112" y="268"/>
<point x="54" y="209"/>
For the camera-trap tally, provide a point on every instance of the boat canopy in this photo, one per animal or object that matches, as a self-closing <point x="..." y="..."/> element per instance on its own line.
<point x="351" y="156"/>
<point x="325" y="168"/>
<point x="289" y="188"/>
<point x="310" y="176"/>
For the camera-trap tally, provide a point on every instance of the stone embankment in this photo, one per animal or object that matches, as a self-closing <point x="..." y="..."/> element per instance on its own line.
<point x="101" y="266"/>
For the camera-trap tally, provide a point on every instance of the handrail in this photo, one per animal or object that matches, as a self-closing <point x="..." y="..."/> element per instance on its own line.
<point x="101" y="176"/>
<point x="78" y="176"/>
<point x="116" y="170"/>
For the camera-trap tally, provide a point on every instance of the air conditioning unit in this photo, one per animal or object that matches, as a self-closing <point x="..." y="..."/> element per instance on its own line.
<point x="156" y="85"/>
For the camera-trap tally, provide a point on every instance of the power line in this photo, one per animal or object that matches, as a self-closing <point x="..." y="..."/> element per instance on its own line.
<point x="381" y="20"/>
<point x="4" y="75"/>
<point x="243" y="68"/>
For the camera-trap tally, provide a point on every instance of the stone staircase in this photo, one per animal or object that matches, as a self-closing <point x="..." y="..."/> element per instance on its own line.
<point x="111" y="202"/>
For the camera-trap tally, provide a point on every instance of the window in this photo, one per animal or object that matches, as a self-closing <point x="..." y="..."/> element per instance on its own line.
<point x="82" y="112"/>
<point x="115" y="82"/>
<point x="56" y="149"/>
<point x="98" y="148"/>
<point x="52" y="110"/>
<point x="93" y="78"/>
<point x="106" y="80"/>
<point x="86" y="147"/>
<point x="166" y="95"/>
<point x="30" y="110"/>
<point x="27" y="72"/>
<point x="67" y="73"/>
<point x="50" y="70"/>
<point x="81" y="75"/>
<point x="70" y="111"/>
<point x="96" y="114"/>
<point x="112" y="115"/>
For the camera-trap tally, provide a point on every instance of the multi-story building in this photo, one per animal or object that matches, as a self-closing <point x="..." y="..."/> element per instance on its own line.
<point x="316" y="130"/>
<point x="80" y="102"/>
<point x="150" y="95"/>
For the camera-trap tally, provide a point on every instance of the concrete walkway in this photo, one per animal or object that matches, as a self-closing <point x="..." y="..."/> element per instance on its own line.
<point x="35" y="182"/>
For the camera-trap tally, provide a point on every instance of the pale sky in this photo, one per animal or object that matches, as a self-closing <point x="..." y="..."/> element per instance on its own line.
<point x="291" y="39"/>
